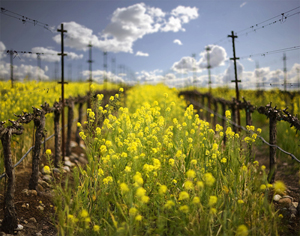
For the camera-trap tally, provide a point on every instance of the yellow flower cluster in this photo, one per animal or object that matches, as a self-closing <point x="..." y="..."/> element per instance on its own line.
<point x="157" y="160"/>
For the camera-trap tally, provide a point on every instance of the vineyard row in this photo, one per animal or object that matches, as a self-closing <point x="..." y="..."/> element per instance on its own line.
<point x="272" y="113"/>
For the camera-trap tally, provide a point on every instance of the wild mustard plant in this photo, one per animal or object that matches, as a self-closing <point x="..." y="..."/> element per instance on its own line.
<point x="156" y="168"/>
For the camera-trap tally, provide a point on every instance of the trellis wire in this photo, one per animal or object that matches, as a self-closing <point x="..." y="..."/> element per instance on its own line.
<point x="25" y="155"/>
<point x="239" y="126"/>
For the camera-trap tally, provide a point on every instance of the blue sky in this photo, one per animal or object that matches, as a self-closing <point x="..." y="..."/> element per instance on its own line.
<point x="153" y="41"/>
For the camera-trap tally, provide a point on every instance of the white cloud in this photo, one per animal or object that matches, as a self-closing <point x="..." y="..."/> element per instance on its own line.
<point x="243" y="4"/>
<point x="22" y="71"/>
<point x="229" y="74"/>
<point x="2" y="48"/>
<point x="185" y="14"/>
<point x="127" y="25"/>
<point x="179" y="16"/>
<point x="50" y="55"/>
<point x="174" y="24"/>
<point x="100" y="75"/>
<point x="73" y="56"/>
<point x="186" y="64"/>
<point x="142" y="54"/>
<point x="177" y="41"/>
<point x="170" y="76"/>
<point x="152" y="77"/>
<point x="77" y="36"/>
<point x="217" y="57"/>
<point x="265" y="77"/>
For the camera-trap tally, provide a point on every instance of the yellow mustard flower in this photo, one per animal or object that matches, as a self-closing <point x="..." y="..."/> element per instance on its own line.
<point x="171" y="161"/>
<point x="209" y="179"/>
<point x="124" y="187"/>
<point x="263" y="187"/>
<point x="279" y="187"/>
<point x="169" y="204"/>
<point x="227" y="114"/>
<point x="196" y="200"/>
<point x="140" y="192"/>
<point x="96" y="228"/>
<point x="183" y="195"/>
<point x="84" y="213"/>
<point x="212" y="200"/>
<point x="184" y="209"/>
<point x="138" y="218"/>
<point x="191" y="174"/>
<point x="162" y="189"/>
<point x="133" y="211"/>
<point x="188" y="185"/>
<point x="47" y="170"/>
<point x="242" y="230"/>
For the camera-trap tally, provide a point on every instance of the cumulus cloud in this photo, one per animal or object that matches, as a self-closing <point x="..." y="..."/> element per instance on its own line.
<point x="185" y="14"/>
<point x="127" y="25"/>
<point x="229" y="74"/>
<point x="179" y="16"/>
<point x="174" y="24"/>
<point x="177" y="41"/>
<point x="142" y="54"/>
<point x="2" y="48"/>
<point x="77" y="36"/>
<point x="152" y="77"/>
<point x="264" y="77"/>
<point x="293" y="74"/>
<point x="185" y="65"/>
<point x="50" y="55"/>
<point x="170" y="76"/>
<point x="22" y="71"/>
<point x="100" y="75"/>
<point x="217" y="57"/>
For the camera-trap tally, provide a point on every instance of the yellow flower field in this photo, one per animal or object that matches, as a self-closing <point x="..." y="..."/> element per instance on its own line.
<point x="155" y="168"/>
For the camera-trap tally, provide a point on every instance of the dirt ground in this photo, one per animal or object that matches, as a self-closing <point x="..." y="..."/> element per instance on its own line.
<point x="28" y="206"/>
<point x="41" y="222"/>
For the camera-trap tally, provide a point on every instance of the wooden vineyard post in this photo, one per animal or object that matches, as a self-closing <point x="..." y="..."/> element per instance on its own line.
<point x="10" y="221"/>
<point x="216" y="112"/>
<point x="236" y="81"/>
<point x="208" y="117"/>
<point x="57" y="111"/>
<point x="39" y="124"/>
<point x="62" y="54"/>
<point x="70" y="121"/>
<point x="79" y="121"/>
<point x="202" y="103"/>
<point x="272" y="140"/>
<point x="248" y="116"/>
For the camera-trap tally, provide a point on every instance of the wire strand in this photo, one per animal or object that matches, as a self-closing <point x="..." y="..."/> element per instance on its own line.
<point x="272" y="52"/>
<point x="241" y="127"/>
<point x="282" y="14"/>
<point x="25" y="19"/>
